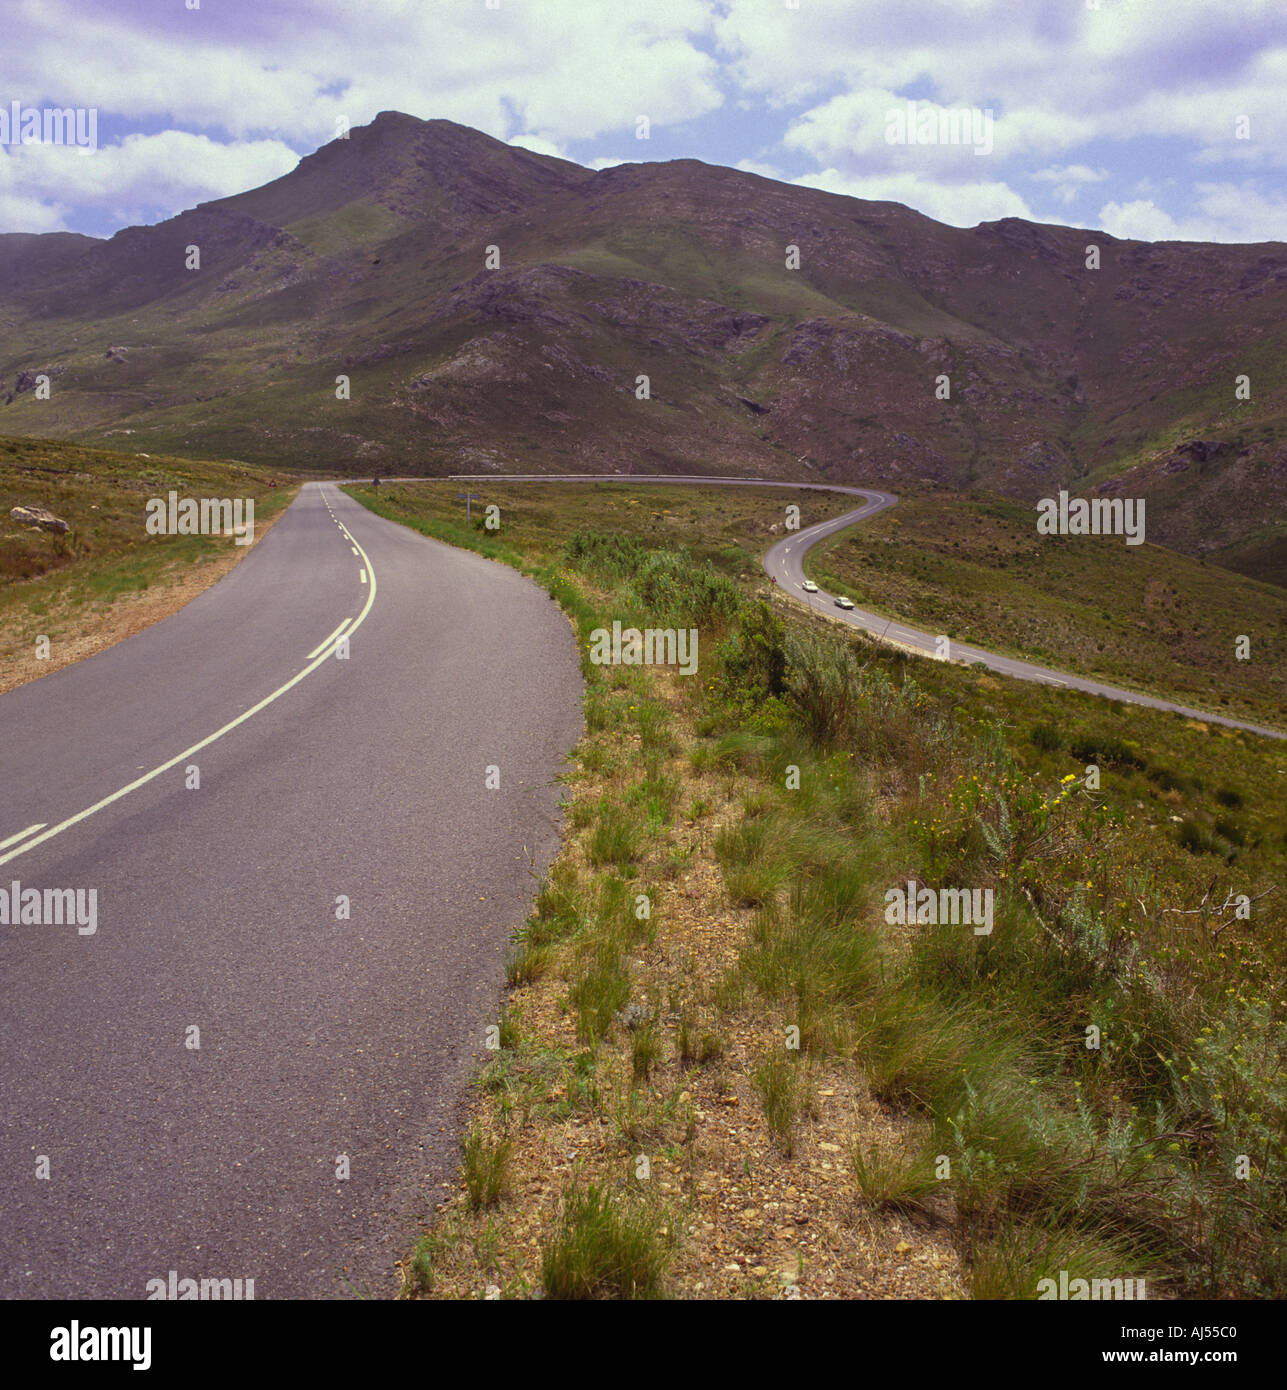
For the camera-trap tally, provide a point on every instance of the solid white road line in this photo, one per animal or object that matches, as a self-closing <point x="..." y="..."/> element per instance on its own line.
<point x="326" y="642"/>
<point x="22" y="834"/>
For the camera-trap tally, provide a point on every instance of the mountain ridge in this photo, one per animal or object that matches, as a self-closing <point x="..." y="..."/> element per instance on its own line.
<point x="369" y="260"/>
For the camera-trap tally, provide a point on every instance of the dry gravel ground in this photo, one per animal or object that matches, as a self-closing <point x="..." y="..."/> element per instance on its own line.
<point x="748" y="1221"/>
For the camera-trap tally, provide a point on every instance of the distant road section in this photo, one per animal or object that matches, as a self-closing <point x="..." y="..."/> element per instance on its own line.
<point x="784" y="564"/>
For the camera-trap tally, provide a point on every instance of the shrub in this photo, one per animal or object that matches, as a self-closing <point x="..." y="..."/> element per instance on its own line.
<point x="1046" y="737"/>
<point x="1099" y="748"/>
<point x="822" y="680"/>
<point x="753" y="657"/>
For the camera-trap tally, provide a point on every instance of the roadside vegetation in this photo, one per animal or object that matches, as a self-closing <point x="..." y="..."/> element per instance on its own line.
<point x="727" y="526"/>
<point x="1140" y="616"/>
<point x="723" y="1073"/>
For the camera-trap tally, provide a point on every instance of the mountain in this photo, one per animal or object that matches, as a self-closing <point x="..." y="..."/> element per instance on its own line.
<point x="368" y="261"/>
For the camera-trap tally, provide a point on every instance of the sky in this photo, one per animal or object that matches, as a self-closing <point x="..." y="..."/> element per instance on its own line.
<point x="1149" y="119"/>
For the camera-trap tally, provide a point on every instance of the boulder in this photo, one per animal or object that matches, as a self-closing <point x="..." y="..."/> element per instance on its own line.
<point x="39" y="516"/>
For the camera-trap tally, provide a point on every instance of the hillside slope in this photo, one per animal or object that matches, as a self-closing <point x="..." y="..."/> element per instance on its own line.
<point x="368" y="261"/>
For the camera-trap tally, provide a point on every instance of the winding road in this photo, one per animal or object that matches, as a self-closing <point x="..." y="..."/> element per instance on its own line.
<point x="251" y="1066"/>
<point x="784" y="564"/>
<point x="326" y="1042"/>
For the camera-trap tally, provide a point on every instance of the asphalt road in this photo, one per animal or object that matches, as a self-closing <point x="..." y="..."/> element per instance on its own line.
<point x="784" y="564"/>
<point x="216" y="907"/>
<point x="323" y="1041"/>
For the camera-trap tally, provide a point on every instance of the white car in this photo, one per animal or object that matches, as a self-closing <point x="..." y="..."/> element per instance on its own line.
<point x="843" y="602"/>
<point x="810" y="587"/>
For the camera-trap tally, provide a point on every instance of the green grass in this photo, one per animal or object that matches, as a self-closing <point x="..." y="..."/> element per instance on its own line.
<point x="601" y="990"/>
<point x="698" y="1048"/>
<point x="723" y="526"/>
<point x="486" y="1168"/>
<point x="780" y="1081"/>
<point x="1011" y="1262"/>
<point x="526" y="962"/>
<point x="617" y="835"/>
<point x="606" y="1247"/>
<point x="1115" y="840"/>
<point x="107" y="553"/>
<point x="645" y="1051"/>
<point x="974" y="568"/>
<point x="1129" y="1150"/>
<point x="902" y="1180"/>
<point x="424" y="1259"/>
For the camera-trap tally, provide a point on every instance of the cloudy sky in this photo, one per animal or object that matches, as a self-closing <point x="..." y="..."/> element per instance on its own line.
<point x="1152" y="119"/>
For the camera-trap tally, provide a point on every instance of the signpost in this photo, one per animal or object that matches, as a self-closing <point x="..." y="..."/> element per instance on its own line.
<point x="470" y="499"/>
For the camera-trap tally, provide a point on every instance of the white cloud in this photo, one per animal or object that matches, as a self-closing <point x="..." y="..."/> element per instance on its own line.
<point x="20" y="212"/>
<point x="537" y="144"/>
<point x="1071" y="173"/>
<point x="1060" y="79"/>
<point x="1074" y="93"/>
<point x="539" y="73"/>
<point x="766" y="171"/>
<point x="1141" y="220"/>
<point x="792" y="56"/>
<point x="848" y="136"/>
<point x="1223" y="212"/>
<point x="1056" y="73"/>
<point x="1069" y="180"/>
<point x="131" y="180"/>
<point x="537" y="66"/>
<point x="958" y="204"/>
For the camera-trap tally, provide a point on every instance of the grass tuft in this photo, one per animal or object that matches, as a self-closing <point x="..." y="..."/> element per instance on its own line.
<point x="605" y="1247"/>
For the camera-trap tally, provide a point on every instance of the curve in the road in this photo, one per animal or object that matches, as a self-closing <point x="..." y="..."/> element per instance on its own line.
<point x="314" y="659"/>
<point x="784" y="564"/>
<point x="296" y="937"/>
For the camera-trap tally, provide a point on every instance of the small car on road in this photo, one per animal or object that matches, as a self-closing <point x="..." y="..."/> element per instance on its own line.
<point x="810" y="587"/>
<point x="843" y="602"/>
